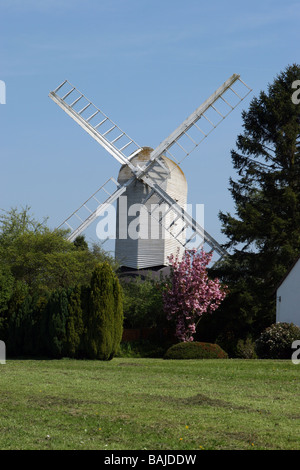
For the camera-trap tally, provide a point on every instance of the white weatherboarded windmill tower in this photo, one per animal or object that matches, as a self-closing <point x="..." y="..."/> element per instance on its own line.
<point x="150" y="182"/>
<point x="150" y="246"/>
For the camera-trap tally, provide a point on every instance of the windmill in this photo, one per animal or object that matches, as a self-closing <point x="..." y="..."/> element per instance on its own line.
<point x="151" y="178"/>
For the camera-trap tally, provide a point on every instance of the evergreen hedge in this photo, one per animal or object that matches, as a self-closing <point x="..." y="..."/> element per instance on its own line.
<point x="79" y="322"/>
<point x="195" y="350"/>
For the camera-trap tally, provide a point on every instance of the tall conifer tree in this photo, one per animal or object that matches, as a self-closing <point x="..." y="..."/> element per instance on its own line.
<point x="105" y="314"/>
<point x="264" y="233"/>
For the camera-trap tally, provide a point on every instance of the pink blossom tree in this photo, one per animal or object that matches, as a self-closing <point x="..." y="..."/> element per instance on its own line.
<point x="190" y="293"/>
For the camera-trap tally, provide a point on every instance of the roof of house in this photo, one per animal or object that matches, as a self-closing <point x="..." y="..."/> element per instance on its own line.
<point x="288" y="272"/>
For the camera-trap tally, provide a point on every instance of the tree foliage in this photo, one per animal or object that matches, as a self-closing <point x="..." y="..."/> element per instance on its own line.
<point x="190" y="293"/>
<point x="105" y="317"/>
<point x="6" y="287"/>
<point x="45" y="287"/>
<point x="42" y="258"/>
<point x="264" y="233"/>
<point x="55" y="318"/>
<point x="143" y="305"/>
<point x="74" y="323"/>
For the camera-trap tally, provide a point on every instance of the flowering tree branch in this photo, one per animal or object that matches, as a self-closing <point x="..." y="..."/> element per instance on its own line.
<point x="190" y="293"/>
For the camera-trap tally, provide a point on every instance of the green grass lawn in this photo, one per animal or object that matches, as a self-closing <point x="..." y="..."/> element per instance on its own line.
<point x="151" y="404"/>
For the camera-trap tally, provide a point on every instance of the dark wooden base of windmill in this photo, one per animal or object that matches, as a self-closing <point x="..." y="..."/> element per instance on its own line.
<point x="155" y="272"/>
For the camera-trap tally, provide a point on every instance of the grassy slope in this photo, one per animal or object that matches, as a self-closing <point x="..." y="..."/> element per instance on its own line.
<point x="149" y="404"/>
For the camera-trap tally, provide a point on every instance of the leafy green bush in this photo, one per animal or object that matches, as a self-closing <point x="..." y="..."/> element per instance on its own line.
<point x="275" y="342"/>
<point x="245" y="349"/>
<point x="195" y="350"/>
<point x="143" y="306"/>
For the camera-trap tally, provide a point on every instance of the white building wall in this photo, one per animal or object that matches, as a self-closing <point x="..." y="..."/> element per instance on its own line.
<point x="288" y="298"/>
<point x="148" y="251"/>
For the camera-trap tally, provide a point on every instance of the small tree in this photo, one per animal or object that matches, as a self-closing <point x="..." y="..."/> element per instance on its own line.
<point x="105" y="314"/>
<point x="189" y="293"/>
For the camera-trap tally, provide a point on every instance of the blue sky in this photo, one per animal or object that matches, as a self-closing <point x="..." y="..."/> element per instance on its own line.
<point x="148" y="65"/>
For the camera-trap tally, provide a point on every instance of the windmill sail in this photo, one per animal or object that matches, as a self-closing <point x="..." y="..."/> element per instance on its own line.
<point x="92" y="208"/>
<point x="182" y="142"/>
<point x="188" y="222"/>
<point x="95" y="123"/>
<point x="201" y="122"/>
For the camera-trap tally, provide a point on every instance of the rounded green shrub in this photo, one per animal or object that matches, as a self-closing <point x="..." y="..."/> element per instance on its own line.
<point x="195" y="350"/>
<point x="275" y="342"/>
